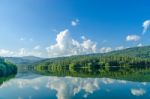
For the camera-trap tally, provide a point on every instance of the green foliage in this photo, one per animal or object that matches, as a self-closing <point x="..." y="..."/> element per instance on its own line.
<point x="117" y="63"/>
<point x="7" y="68"/>
<point x="97" y="62"/>
<point x="141" y="52"/>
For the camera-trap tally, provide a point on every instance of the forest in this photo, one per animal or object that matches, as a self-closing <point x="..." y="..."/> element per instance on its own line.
<point x="97" y="63"/>
<point x="7" y="68"/>
<point x="127" y="59"/>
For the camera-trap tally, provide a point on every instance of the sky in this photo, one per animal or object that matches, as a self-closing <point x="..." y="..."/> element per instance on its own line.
<point x="55" y="28"/>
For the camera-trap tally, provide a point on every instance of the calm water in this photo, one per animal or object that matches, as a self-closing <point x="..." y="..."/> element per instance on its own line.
<point x="34" y="86"/>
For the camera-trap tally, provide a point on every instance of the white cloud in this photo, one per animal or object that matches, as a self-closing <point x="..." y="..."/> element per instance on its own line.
<point x="66" y="46"/>
<point x="22" y="52"/>
<point x="138" y="92"/>
<point x="75" y="22"/>
<point x="140" y="45"/>
<point x="146" y="25"/>
<point x="4" y="52"/>
<point x="25" y="52"/>
<point x="105" y="49"/>
<point x="132" y="38"/>
<point x="37" y="47"/>
<point x="119" y="48"/>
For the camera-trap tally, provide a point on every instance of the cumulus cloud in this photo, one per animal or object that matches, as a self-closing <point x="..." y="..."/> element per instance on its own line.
<point x="25" y="52"/>
<point x="146" y="25"/>
<point x="140" y="45"/>
<point x="75" y="22"/>
<point x="66" y="46"/>
<point x="105" y="49"/>
<point x="132" y="38"/>
<point x="20" y="52"/>
<point x="119" y="48"/>
<point x="138" y="92"/>
<point x="37" y="47"/>
<point x="4" y="52"/>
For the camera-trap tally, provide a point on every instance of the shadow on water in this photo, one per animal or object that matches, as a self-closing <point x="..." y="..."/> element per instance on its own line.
<point x="6" y="78"/>
<point x="136" y="75"/>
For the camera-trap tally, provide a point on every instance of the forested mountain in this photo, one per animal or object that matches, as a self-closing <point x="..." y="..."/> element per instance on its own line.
<point x="142" y="52"/>
<point x="127" y="59"/>
<point x="7" y="68"/>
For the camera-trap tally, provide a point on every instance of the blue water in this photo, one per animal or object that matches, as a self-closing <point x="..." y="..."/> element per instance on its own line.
<point x="33" y="86"/>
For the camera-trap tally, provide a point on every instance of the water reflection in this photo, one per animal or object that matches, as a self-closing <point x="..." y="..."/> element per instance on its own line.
<point x="53" y="87"/>
<point x="138" y="92"/>
<point x="68" y="87"/>
<point x="6" y="78"/>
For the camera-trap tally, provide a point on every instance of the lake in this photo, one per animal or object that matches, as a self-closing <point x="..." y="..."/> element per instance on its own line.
<point x="35" y="86"/>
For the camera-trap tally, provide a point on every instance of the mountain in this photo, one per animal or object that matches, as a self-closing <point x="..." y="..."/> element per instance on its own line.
<point x="141" y="52"/>
<point x="121" y="62"/>
<point x="136" y="57"/>
<point x="23" y="60"/>
<point x="31" y="58"/>
<point x="138" y="52"/>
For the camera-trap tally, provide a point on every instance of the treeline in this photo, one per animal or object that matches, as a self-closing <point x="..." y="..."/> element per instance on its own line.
<point x="7" y="68"/>
<point x="102" y="63"/>
<point x="141" y="52"/>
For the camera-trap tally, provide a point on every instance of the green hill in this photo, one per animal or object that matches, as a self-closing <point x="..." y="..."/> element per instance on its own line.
<point x="142" y="52"/>
<point x="129" y="60"/>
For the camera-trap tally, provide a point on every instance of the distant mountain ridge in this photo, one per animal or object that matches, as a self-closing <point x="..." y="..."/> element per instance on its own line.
<point x="140" y="52"/>
<point x="23" y="60"/>
<point x="124" y="61"/>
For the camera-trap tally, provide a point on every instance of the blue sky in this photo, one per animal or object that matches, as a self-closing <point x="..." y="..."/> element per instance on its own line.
<point x="30" y="27"/>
